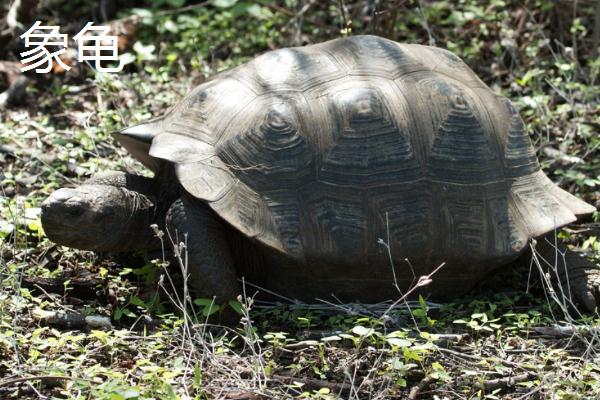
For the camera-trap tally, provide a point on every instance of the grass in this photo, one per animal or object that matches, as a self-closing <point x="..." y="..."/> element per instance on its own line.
<point x="499" y="342"/>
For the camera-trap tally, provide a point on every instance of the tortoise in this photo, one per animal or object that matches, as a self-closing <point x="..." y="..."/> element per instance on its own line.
<point x="343" y="168"/>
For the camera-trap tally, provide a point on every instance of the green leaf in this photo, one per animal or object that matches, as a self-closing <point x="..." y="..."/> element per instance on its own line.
<point x="203" y="302"/>
<point x="237" y="306"/>
<point x="480" y="316"/>
<point x="362" y="331"/>
<point x="210" y="310"/>
<point x="144" y="52"/>
<point x="419" y="313"/>
<point x="223" y="3"/>
<point x="34" y="226"/>
<point x="130" y="393"/>
<point x="6" y="228"/>
<point x="175" y="3"/>
<point x="197" y="376"/>
<point x="137" y="301"/>
<point x="410" y="354"/>
<point x="397" y="342"/>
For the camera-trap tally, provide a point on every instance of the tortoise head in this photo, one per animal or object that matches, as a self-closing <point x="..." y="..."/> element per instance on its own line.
<point x="101" y="218"/>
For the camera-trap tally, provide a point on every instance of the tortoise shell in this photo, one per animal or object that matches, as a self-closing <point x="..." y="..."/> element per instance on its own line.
<point x="321" y="151"/>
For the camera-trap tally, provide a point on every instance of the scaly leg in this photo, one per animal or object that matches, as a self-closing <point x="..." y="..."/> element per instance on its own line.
<point x="580" y="277"/>
<point x="209" y="259"/>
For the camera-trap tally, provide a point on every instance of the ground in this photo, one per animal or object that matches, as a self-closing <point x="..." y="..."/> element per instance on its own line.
<point x="77" y="325"/>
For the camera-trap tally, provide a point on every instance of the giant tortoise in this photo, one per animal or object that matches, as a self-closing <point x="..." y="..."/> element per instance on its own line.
<point x="343" y="168"/>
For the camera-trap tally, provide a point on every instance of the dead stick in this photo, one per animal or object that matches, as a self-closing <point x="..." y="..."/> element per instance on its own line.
<point x="9" y="382"/>
<point x="509" y="381"/>
<point x="416" y="390"/>
<point x="478" y="358"/>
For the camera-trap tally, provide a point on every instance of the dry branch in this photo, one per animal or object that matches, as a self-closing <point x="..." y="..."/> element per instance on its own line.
<point x="417" y="389"/>
<point x="509" y="381"/>
<point x="43" y="378"/>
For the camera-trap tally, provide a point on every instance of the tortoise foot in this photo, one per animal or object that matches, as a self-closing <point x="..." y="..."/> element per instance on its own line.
<point x="578" y="276"/>
<point x="584" y="282"/>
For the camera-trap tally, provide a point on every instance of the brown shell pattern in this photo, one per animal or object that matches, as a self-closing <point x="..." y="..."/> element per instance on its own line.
<point x="320" y="151"/>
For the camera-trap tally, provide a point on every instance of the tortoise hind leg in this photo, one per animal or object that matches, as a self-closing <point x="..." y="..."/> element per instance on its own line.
<point x="210" y="263"/>
<point x="579" y="276"/>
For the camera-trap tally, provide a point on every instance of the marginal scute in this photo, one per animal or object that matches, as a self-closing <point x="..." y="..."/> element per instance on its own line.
<point x="138" y="140"/>
<point x="467" y="218"/>
<point x="287" y="219"/>
<point x="542" y="206"/>
<point x="508" y="235"/>
<point x="337" y="221"/>
<point x="248" y="212"/>
<point x="199" y="171"/>
<point x="403" y="214"/>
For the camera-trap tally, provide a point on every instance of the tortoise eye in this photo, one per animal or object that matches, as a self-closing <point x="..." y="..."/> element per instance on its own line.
<point x="75" y="211"/>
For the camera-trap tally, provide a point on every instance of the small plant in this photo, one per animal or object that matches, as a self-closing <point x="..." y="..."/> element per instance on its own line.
<point x="480" y="322"/>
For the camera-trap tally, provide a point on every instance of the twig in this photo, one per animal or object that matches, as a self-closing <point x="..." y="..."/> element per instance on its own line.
<point x="18" y="15"/>
<point x="476" y="358"/>
<point x="9" y="382"/>
<point x="423" y="281"/>
<point x="559" y="331"/>
<point x="509" y="381"/>
<point x="416" y="390"/>
<point x="530" y="393"/>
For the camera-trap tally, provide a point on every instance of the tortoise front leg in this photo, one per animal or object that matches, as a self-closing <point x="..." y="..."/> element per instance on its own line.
<point x="210" y="264"/>
<point x="580" y="277"/>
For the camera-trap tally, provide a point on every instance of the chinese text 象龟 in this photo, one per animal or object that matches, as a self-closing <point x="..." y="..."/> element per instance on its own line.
<point x="47" y="44"/>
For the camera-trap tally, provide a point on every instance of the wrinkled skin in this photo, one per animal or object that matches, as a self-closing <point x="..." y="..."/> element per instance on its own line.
<point x="100" y="216"/>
